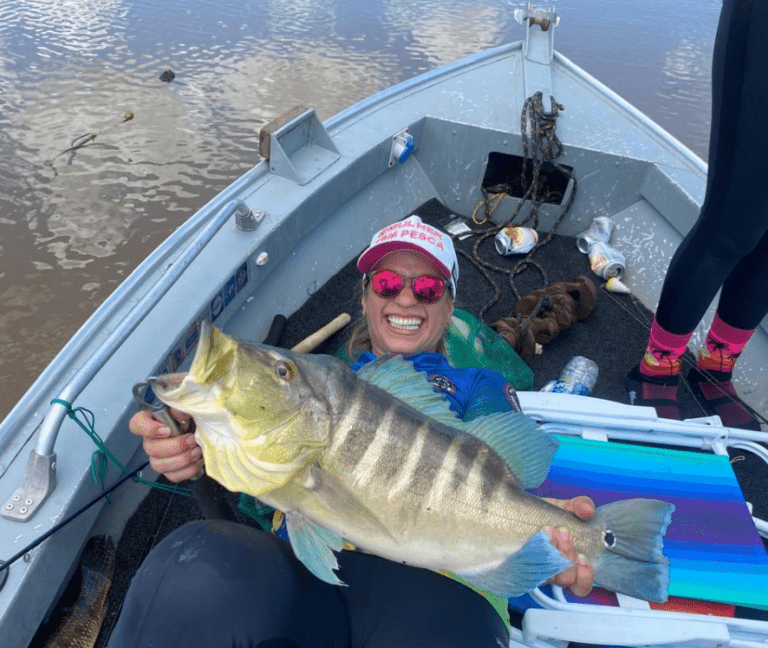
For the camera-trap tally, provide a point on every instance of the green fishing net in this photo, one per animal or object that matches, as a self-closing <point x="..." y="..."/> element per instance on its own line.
<point x="257" y="511"/>
<point x="471" y="343"/>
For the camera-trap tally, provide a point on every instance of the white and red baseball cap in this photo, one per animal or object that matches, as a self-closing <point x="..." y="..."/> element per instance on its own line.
<point x="413" y="234"/>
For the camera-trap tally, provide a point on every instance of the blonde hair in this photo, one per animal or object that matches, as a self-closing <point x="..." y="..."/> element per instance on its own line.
<point x="360" y="336"/>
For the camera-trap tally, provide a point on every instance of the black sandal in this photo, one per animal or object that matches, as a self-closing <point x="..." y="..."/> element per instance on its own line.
<point x="652" y="391"/>
<point x="717" y="396"/>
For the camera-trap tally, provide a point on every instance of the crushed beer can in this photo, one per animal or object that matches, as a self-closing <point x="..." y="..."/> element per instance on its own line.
<point x="606" y="261"/>
<point x="598" y="232"/>
<point x="515" y="240"/>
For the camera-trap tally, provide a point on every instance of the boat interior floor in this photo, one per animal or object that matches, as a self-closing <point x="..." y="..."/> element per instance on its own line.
<point x="613" y="335"/>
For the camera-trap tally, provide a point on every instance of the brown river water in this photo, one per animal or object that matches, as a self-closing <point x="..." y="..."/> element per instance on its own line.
<point x="73" y="224"/>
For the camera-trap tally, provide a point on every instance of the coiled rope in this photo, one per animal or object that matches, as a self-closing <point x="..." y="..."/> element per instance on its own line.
<point x="541" y="146"/>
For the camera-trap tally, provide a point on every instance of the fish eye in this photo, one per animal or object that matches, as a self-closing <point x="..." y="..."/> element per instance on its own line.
<point x="286" y="370"/>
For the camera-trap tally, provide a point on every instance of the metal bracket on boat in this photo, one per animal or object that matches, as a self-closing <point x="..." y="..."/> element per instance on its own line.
<point x="39" y="482"/>
<point x="539" y="45"/>
<point x="297" y="146"/>
<point x="247" y="220"/>
<point x="538" y="50"/>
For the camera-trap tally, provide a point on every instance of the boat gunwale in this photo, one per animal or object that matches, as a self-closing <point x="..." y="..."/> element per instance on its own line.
<point x="641" y="118"/>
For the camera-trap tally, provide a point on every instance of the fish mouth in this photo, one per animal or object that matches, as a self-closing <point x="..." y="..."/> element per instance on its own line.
<point x="177" y="390"/>
<point x="166" y="383"/>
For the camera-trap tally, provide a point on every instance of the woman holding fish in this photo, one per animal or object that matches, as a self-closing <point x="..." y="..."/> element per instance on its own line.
<point x="215" y="583"/>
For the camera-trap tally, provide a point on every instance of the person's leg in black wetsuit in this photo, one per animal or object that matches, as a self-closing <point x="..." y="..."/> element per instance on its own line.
<point x="220" y="584"/>
<point x="728" y="246"/>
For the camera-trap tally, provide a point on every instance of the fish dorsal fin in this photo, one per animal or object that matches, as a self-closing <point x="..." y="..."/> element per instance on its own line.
<point x="519" y="442"/>
<point x="513" y="436"/>
<point x="399" y="378"/>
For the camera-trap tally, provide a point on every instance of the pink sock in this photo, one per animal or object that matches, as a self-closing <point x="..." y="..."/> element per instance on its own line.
<point x="662" y="356"/>
<point x="723" y="346"/>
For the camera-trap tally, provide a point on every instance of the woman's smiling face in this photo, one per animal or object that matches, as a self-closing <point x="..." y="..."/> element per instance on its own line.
<point x="401" y="324"/>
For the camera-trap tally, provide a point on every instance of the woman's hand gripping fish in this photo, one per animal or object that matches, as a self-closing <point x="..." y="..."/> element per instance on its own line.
<point x="345" y="458"/>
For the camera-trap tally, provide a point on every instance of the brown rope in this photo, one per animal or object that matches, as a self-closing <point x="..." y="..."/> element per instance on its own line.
<point x="544" y="146"/>
<point x="542" y="315"/>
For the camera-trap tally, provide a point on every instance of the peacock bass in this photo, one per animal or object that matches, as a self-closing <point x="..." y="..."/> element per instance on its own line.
<point x="377" y="458"/>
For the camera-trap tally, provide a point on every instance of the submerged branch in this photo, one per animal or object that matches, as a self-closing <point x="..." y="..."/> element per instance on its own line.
<point x="81" y="141"/>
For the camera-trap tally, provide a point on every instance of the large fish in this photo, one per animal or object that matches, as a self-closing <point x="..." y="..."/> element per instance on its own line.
<point x="344" y="457"/>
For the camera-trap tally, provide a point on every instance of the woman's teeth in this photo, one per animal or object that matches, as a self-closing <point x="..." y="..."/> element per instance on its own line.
<point x="410" y="323"/>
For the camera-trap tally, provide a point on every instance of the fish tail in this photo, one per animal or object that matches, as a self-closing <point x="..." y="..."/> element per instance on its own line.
<point x="633" y="562"/>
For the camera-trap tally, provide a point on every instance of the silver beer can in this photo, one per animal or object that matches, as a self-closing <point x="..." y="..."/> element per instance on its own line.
<point x="515" y="240"/>
<point x="598" y="232"/>
<point x="606" y="261"/>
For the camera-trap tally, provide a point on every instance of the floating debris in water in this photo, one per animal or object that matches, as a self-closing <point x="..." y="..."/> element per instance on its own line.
<point x="88" y="139"/>
<point x="615" y="286"/>
<point x="167" y="76"/>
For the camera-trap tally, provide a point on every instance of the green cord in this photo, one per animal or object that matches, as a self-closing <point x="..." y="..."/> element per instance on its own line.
<point x="99" y="460"/>
<point x="262" y="515"/>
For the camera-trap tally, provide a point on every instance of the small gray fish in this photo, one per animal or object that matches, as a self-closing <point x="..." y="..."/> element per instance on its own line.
<point x="345" y="458"/>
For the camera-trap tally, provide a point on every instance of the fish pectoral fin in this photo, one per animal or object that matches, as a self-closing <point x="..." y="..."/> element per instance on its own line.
<point x="336" y="497"/>
<point x="537" y="561"/>
<point x="314" y="545"/>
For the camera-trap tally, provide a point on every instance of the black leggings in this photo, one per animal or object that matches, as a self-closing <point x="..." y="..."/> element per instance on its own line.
<point x="728" y="245"/>
<point x="216" y="584"/>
